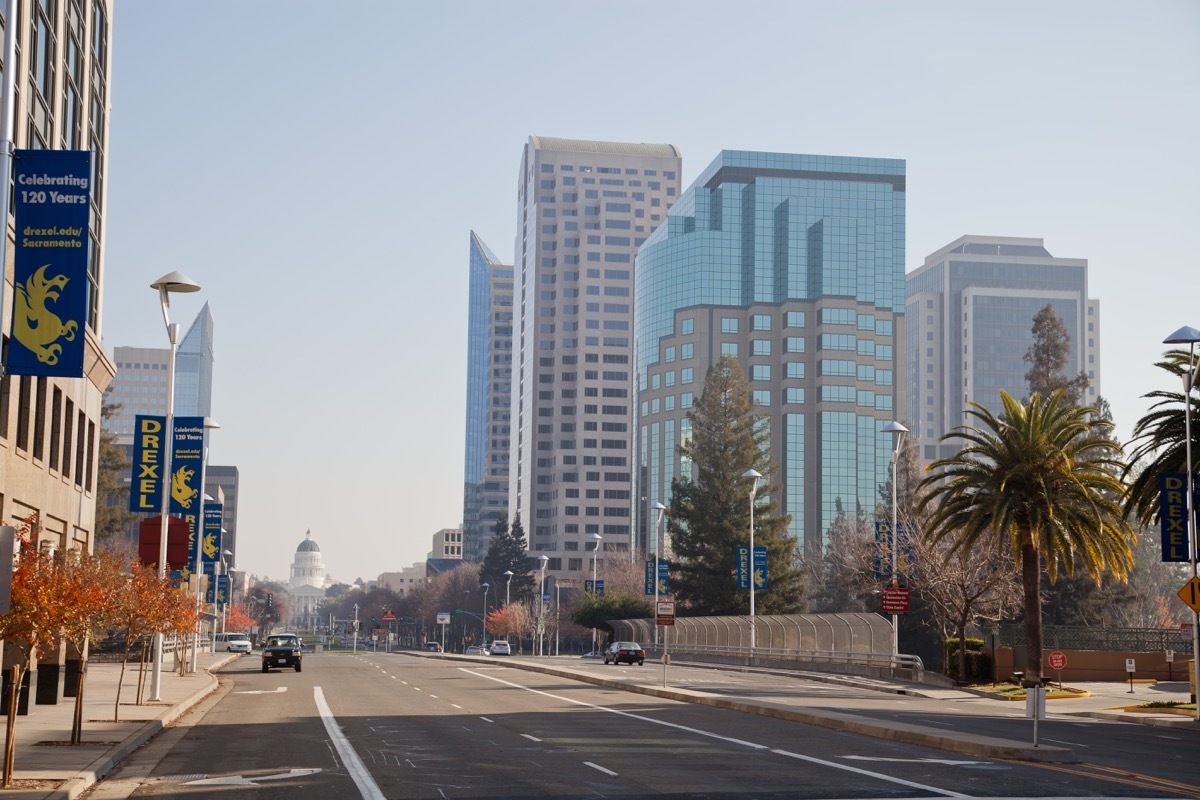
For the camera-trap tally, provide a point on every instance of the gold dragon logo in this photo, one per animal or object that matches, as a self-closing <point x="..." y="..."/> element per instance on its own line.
<point x="35" y="325"/>
<point x="180" y="490"/>
<point x="210" y="546"/>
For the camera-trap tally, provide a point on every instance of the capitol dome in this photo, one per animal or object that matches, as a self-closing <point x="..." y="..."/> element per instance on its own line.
<point x="308" y="568"/>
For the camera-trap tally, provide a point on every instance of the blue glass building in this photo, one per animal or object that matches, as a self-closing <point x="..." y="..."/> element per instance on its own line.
<point x="489" y="386"/>
<point x="795" y="265"/>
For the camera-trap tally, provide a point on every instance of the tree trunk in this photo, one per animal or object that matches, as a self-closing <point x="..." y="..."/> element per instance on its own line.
<point x="121" y="681"/>
<point x="1031" y="574"/>
<point x="77" y="720"/>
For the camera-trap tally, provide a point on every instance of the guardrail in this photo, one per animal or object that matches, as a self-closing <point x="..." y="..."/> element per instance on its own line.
<point x="823" y="657"/>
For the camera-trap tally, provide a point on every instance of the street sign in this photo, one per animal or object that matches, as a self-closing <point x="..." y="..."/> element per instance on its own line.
<point x="388" y="616"/>
<point x="665" y="613"/>
<point x="1190" y="593"/>
<point x="443" y="617"/>
<point x="1057" y="660"/>
<point x="895" y="600"/>
<point x="1170" y="656"/>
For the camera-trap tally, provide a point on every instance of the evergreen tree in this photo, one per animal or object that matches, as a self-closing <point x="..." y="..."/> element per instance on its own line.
<point x="113" y="517"/>
<point x="508" y="552"/>
<point x="710" y="513"/>
<point x="1047" y="358"/>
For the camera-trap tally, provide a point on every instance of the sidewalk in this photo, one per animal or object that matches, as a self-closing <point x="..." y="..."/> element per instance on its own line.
<point x="64" y="771"/>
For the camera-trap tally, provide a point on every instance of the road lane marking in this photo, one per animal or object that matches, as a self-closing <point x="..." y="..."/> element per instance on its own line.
<point x="452" y="705"/>
<point x="354" y="765"/>
<point x="239" y="780"/>
<point x="1062" y="741"/>
<point x="880" y="776"/>
<point x="711" y="735"/>
<point x="485" y="719"/>
<point x="265" y="691"/>
<point x="532" y="738"/>
<point x="948" y="761"/>
<point x="602" y="769"/>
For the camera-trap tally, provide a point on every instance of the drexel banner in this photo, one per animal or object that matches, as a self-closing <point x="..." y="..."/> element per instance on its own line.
<point x="210" y="549"/>
<point x="50" y="262"/>
<point x="145" y="493"/>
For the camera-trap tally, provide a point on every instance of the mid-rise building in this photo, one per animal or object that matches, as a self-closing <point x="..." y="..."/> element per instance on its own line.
<point x="583" y="209"/>
<point x="447" y="544"/>
<point x="970" y="323"/>
<point x="793" y="264"/>
<point x="489" y="398"/>
<point x="49" y="426"/>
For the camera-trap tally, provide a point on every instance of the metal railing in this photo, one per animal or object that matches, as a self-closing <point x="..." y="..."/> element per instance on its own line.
<point x="792" y="656"/>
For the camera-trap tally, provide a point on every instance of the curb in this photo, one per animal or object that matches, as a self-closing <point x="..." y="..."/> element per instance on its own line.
<point x="967" y="744"/>
<point x="86" y="778"/>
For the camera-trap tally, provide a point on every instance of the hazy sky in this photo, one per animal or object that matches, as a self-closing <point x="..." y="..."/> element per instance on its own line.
<point x="317" y="167"/>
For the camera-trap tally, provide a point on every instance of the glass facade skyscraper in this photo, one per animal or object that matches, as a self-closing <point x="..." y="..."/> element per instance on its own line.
<point x="584" y="207"/>
<point x="489" y="400"/>
<point x="795" y="265"/>
<point x="970" y="311"/>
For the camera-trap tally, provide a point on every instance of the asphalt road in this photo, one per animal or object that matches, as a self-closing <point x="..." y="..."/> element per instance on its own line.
<point x="389" y="726"/>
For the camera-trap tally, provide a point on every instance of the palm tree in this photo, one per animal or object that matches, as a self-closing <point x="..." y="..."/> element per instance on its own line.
<point x="1040" y="479"/>
<point x="1161" y="437"/>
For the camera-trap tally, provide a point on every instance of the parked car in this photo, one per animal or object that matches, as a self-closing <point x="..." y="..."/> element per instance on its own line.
<point x="476" y="650"/>
<point x="433" y="647"/>
<point x="282" y="650"/>
<point x="501" y="648"/>
<point x="233" y="642"/>
<point x="629" y="652"/>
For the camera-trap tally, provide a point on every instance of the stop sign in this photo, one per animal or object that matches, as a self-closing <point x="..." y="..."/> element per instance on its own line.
<point x="1058" y="659"/>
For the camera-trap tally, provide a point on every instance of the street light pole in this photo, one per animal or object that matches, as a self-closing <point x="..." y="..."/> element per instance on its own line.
<point x="541" y="623"/>
<point x="485" y="591"/>
<point x="662" y="510"/>
<point x="756" y="475"/>
<point x="508" y="573"/>
<point x="898" y="431"/>
<point x="596" y="539"/>
<point x="1190" y="336"/>
<point x="171" y="282"/>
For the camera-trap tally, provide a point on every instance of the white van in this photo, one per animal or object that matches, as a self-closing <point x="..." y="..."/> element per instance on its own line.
<point x="233" y="642"/>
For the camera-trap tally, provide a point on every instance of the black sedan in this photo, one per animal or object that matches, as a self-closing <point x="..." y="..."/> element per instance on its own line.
<point x="629" y="652"/>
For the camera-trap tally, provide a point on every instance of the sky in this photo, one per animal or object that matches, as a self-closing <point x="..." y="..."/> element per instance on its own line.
<point x="317" y="168"/>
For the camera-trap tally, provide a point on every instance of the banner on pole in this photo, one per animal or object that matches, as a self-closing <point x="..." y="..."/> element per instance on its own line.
<point x="145" y="490"/>
<point x="210" y="548"/>
<point x="1172" y="516"/>
<point x="52" y="205"/>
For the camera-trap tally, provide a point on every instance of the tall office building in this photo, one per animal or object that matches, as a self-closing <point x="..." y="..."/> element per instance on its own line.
<point x="794" y="264"/>
<point x="140" y="385"/>
<point x="970" y="317"/>
<point x="583" y="209"/>
<point x="489" y="398"/>
<point x="49" y="427"/>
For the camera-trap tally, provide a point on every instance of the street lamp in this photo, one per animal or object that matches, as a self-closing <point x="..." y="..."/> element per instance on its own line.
<point x="897" y="430"/>
<point x="596" y="539"/>
<point x="171" y="282"/>
<point x="485" y="591"/>
<point x="542" y="561"/>
<point x="662" y="510"/>
<point x="1190" y="336"/>
<point x="508" y="573"/>
<point x="756" y="475"/>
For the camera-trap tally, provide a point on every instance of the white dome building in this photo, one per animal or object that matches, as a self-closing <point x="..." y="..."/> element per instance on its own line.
<point x="309" y="581"/>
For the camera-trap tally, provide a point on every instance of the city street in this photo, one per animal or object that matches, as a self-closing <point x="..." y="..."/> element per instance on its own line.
<point x="408" y="726"/>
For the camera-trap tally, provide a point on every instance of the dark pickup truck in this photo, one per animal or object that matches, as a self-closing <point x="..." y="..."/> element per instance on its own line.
<point x="282" y="650"/>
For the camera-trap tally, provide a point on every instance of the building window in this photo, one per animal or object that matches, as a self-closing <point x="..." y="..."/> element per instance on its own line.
<point x="729" y="325"/>
<point x="729" y="349"/>
<point x="762" y="322"/>
<point x="686" y="351"/>
<point x="761" y="347"/>
<point x="794" y="319"/>
<point x="762" y="397"/>
<point x="687" y="326"/>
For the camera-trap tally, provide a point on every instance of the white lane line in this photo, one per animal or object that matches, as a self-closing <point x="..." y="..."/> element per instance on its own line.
<point x="485" y="719"/>
<point x="452" y="705"/>
<point x="711" y="735"/>
<point x="434" y="696"/>
<point x="602" y="769"/>
<point x="354" y="765"/>
<point x="531" y="738"/>
<point x="900" y="781"/>
<point x="1061" y="741"/>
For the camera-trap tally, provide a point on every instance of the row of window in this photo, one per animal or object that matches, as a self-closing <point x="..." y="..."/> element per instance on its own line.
<point x="649" y="173"/>
<point x="50" y="428"/>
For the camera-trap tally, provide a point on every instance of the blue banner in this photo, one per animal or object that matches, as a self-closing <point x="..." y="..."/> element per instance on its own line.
<point x="187" y="467"/>
<point x="743" y="567"/>
<point x="664" y="578"/>
<point x="50" y="262"/>
<point x="210" y="547"/>
<point x="597" y="587"/>
<point x="145" y="490"/>
<point x="217" y="591"/>
<point x="883" y="554"/>
<point x="760" y="568"/>
<point x="1172" y="515"/>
